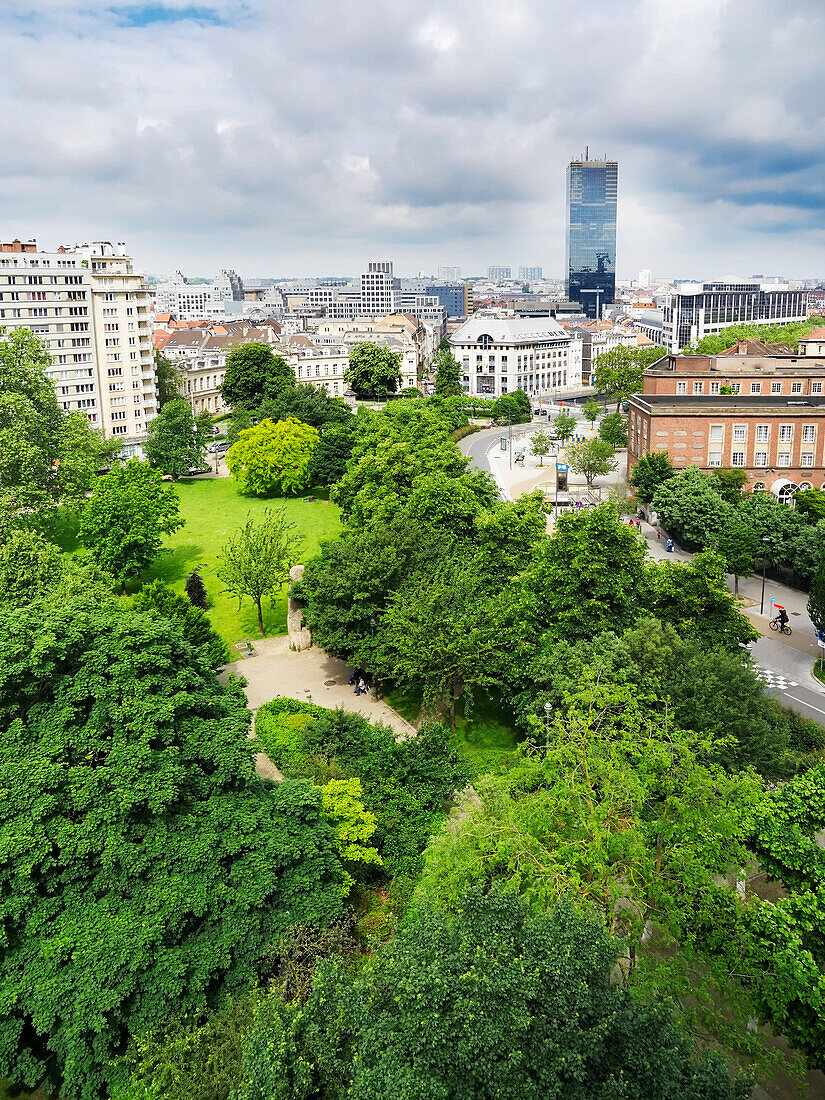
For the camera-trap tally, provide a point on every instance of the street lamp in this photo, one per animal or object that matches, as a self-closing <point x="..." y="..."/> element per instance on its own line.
<point x="766" y="541"/>
<point x="374" y="685"/>
<point x="548" y="714"/>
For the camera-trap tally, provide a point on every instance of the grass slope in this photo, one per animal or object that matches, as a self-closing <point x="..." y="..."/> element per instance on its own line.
<point x="214" y="509"/>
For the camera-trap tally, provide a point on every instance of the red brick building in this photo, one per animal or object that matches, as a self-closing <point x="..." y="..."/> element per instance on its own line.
<point x="778" y="440"/>
<point x="750" y="368"/>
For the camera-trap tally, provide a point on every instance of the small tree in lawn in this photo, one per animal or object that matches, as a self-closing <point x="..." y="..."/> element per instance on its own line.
<point x="649" y="473"/>
<point x="273" y="457"/>
<point x="613" y="430"/>
<point x="593" y="458"/>
<point x="564" y="425"/>
<point x="591" y="410"/>
<point x="816" y="599"/>
<point x="540" y="445"/>
<point x="196" y="589"/>
<point x="257" y="559"/>
<point x="177" y="439"/>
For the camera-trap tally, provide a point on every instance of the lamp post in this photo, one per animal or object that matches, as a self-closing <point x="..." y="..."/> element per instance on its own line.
<point x="766" y="542"/>
<point x="374" y="685"/>
<point x="548" y="713"/>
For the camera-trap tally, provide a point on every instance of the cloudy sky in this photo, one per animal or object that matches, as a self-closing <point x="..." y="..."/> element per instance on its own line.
<point x="287" y="138"/>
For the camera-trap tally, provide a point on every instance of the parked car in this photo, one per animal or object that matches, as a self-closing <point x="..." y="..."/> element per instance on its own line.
<point x="193" y="471"/>
<point x="218" y="447"/>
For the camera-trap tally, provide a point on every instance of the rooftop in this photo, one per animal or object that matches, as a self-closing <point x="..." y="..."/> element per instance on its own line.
<point x="508" y="330"/>
<point x="725" y="402"/>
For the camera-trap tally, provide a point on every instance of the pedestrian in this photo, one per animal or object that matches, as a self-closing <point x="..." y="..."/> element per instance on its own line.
<point x="362" y="684"/>
<point x="669" y="546"/>
<point x="351" y="679"/>
<point x="631" y="522"/>
<point x="658" y="533"/>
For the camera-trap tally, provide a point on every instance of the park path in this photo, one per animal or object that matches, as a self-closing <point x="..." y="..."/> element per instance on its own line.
<point x="311" y="676"/>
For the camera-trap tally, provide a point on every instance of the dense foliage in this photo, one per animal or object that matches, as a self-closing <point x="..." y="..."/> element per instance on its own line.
<point x="373" y="371"/>
<point x="789" y="335"/>
<point x="176" y="439"/>
<point x="619" y="371"/>
<point x="273" y="457"/>
<point x="254" y="372"/>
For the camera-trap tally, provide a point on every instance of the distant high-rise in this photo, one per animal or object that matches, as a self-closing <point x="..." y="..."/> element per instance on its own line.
<point x="530" y="274"/>
<point x="449" y="274"/>
<point x="645" y="278"/>
<point x="590" y="260"/>
<point x="499" y="274"/>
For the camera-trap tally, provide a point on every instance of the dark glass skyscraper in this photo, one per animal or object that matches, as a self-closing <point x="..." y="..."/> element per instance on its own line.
<point x="590" y="260"/>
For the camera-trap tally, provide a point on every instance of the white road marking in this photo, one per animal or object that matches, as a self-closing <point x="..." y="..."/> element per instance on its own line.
<point x="806" y="704"/>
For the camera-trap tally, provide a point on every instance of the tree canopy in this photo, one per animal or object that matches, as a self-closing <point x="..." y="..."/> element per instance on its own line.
<point x="273" y="457"/>
<point x="373" y="371"/>
<point x="447" y="372"/>
<point x="619" y="371"/>
<point x="257" y="559"/>
<point x="591" y="458"/>
<point x="254" y="372"/>
<point x="177" y="439"/>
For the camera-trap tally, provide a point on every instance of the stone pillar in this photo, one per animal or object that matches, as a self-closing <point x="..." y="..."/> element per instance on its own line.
<point x="300" y="637"/>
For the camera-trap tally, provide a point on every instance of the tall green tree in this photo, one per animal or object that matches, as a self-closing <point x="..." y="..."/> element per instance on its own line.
<point x="816" y="599"/>
<point x="254" y="372"/>
<point x="306" y="402"/>
<point x="691" y="507"/>
<point x="169" y="379"/>
<point x="649" y="473"/>
<point x="613" y="430"/>
<point x="591" y="458"/>
<point x="373" y="371"/>
<point x="540" y="445"/>
<point x="145" y="867"/>
<point x="739" y="546"/>
<point x="82" y="452"/>
<point x="273" y="457"/>
<point x="29" y="567"/>
<point x="447" y="372"/>
<point x="729" y="483"/>
<point x="619" y="371"/>
<point x="193" y="621"/>
<point x="124" y="521"/>
<point x="257" y="559"/>
<point x="177" y="439"/>
<point x="486" y="1001"/>
<point x="332" y="451"/>
<point x="564" y="425"/>
<point x="591" y="410"/>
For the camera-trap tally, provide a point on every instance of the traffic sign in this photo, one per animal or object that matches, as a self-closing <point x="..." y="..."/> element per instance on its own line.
<point x="561" y="465"/>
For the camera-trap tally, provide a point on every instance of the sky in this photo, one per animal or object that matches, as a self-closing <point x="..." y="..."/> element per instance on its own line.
<point x="288" y="139"/>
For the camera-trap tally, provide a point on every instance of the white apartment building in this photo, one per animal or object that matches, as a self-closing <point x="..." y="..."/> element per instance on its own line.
<point x="193" y="301"/>
<point x="411" y="337"/>
<point x="502" y="354"/>
<point x="91" y="310"/>
<point x="531" y="274"/>
<point x="377" y="286"/>
<point x="317" y="364"/>
<point x="695" y="310"/>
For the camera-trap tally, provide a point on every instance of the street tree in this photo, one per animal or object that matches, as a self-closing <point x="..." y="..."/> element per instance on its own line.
<point x="373" y="371"/>
<point x="811" y="503"/>
<point x="613" y="430"/>
<point x="816" y="598"/>
<point x="729" y="483"/>
<point x="690" y="507"/>
<point x="648" y="474"/>
<point x="273" y="457"/>
<point x="619" y="371"/>
<point x="124" y="521"/>
<point x="564" y="425"/>
<point x="169" y="379"/>
<point x="254" y="372"/>
<point x="256" y="561"/>
<point x="591" y="458"/>
<point x="513" y="408"/>
<point x="175" y="870"/>
<point x="486" y="999"/>
<point x="591" y="410"/>
<point x="176" y="439"/>
<point x="540" y="445"/>
<point x="739" y="546"/>
<point x="447" y="372"/>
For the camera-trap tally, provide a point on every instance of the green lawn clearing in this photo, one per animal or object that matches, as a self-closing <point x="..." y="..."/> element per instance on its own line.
<point x="214" y="509"/>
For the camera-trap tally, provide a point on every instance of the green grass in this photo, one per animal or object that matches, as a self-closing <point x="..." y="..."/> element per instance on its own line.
<point x="484" y="740"/>
<point x="213" y="510"/>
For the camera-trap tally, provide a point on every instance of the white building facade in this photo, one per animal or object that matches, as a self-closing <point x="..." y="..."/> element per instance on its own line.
<point x="695" y="310"/>
<point x="501" y="354"/>
<point x="91" y="309"/>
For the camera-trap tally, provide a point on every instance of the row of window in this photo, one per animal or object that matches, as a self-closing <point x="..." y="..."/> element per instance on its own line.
<point x="761" y="458"/>
<point x="756" y="389"/>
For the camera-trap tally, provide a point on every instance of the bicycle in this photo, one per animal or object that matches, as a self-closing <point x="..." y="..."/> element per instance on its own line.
<point x="784" y="628"/>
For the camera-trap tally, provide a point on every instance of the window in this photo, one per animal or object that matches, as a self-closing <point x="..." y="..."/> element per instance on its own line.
<point x="785" y="433"/>
<point x="760" y="458"/>
<point x="681" y="387"/>
<point x="776" y="387"/>
<point x="716" y="432"/>
<point x="756" y="387"/>
<point x="735" y="387"/>
<point x="714" y="387"/>
<point x="119" y="429"/>
<point x="759" y="487"/>
<point x="698" y="387"/>
<point x="806" y="458"/>
<point x="805" y="486"/>
<point x="796" y="387"/>
<point x="715" y="458"/>
<point x="762" y="433"/>
<point x="119" y="416"/>
<point x="783" y="458"/>
<point x="809" y="433"/>
<point x="737" y="458"/>
<point x="816" y="387"/>
<point x="739" y="433"/>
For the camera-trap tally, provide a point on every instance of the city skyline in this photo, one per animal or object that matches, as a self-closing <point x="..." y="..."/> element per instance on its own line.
<point x="294" y="142"/>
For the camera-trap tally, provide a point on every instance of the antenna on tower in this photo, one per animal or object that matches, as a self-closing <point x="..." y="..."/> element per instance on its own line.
<point x="587" y="152"/>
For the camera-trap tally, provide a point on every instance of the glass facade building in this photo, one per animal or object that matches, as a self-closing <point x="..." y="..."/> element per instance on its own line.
<point x="590" y="255"/>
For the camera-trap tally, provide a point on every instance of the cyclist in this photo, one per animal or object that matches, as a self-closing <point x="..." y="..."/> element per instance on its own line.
<point x="781" y="618"/>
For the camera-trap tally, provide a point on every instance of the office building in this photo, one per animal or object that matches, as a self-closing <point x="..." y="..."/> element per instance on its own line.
<point x="590" y="241"/>
<point x="91" y="309"/>
<point x="502" y="354"/>
<point x="645" y="278"/>
<point x="530" y="274"/>
<point x="454" y="297"/>
<point x="695" y="310"/>
<point x="377" y="286"/>
<point x="499" y="274"/>
<point x="449" y="274"/>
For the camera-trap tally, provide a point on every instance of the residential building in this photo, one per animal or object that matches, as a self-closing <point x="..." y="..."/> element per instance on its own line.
<point x="194" y="301"/>
<point x="449" y="274"/>
<point x="751" y="368"/>
<point x="777" y="440"/>
<point x="91" y="309"/>
<point x="502" y="354"/>
<point x="813" y="343"/>
<point x="645" y="278"/>
<point x="598" y="337"/>
<point x="499" y="274"/>
<point x="530" y="274"/>
<point x="590" y="240"/>
<point x="413" y="338"/>
<point x="317" y="364"/>
<point x="456" y="298"/>
<point x="695" y="310"/>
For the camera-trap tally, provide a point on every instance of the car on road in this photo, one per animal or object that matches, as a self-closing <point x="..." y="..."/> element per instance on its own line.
<point x="218" y="447"/>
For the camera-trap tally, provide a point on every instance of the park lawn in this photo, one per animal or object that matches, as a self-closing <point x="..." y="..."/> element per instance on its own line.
<point x="214" y="509"/>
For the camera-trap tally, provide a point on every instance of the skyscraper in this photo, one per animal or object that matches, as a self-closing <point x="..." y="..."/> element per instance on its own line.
<point x="590" y="254"/>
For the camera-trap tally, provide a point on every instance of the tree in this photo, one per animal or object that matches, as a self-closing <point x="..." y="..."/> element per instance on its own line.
<point x="373" y="371"/>
<point x="177" y="439"/>
<point x="196" y="589"/>
<point x="811" y="503"/>
<point x="175" y="868"/>
<point x="486" y="1000"/>
<point x="254" y="372"/>
<point x="82" y="451"/>
<point x="619" y="371"/>
<point x="739" y="546"/>
<point x="256" y="561"/>
<point x="540" y="445"/>
<point x="690" y="506"/>
<point x="591" y="410"/>
<point x="816" y="598"/>
<point x="128" y="513"/>
<point x="729" y="483"/>
<point x="169" y="379"/>
<point x="648" y="474"/>
<point x="513" y="408"/>
<point x="29" y="567"/>
<point x="193" y="622"/>
<point x="354" y="826"/>
<point x="591" y="458"/>
<point x="564" y="425"/>
<point x="331" y="454"/>
<point x="309" y="403"/>
<point x="613" y="430"/>
<point x="447" y="372"/>
<point x="239" y="421"/>
<point x="273" y="457"/>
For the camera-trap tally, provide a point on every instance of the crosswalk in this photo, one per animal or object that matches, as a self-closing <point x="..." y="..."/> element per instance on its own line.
<point x="776" y="680"/>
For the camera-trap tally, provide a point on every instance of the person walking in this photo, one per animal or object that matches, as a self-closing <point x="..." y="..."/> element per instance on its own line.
<point x="362" y="686"/>
<point x="669" y="546"/>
